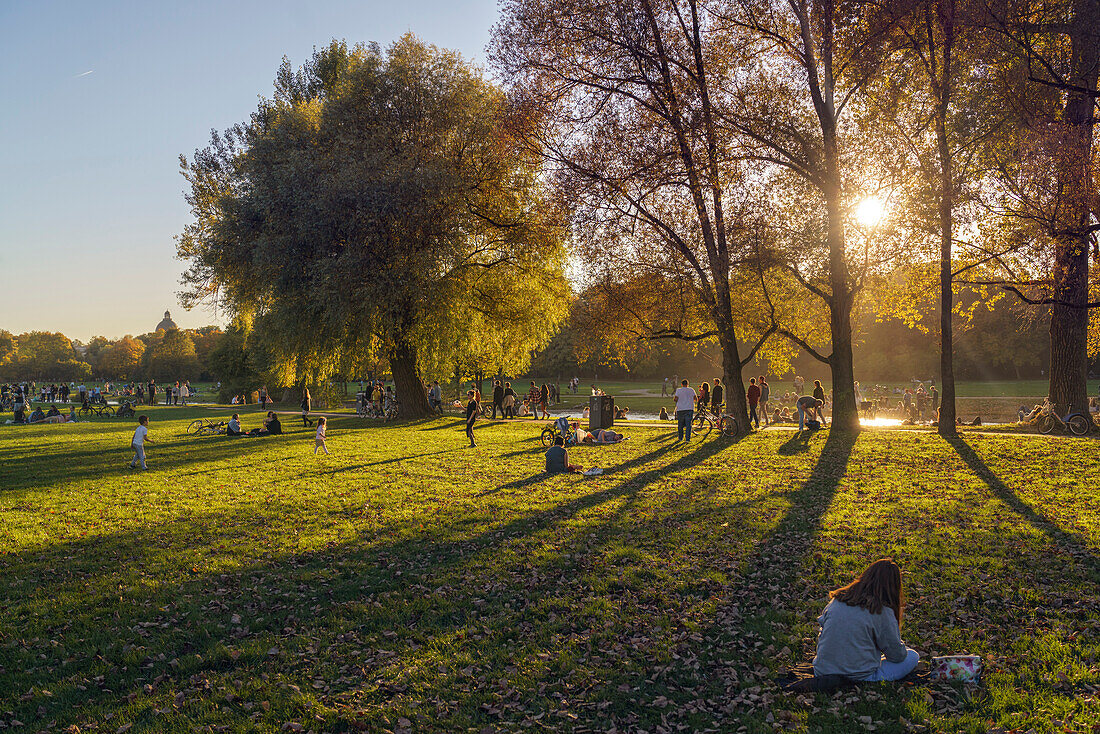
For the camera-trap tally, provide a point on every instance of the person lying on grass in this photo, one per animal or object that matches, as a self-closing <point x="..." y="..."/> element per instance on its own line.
<point x="860" y="636"/>
<point x="599" y="436"/>
<point x="59" y="417"/>
<point x="557" y="458"/>
<point x="1026" y="416"/>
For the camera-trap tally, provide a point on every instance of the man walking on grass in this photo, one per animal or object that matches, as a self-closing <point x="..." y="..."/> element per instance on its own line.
<point x="753" y="396"/>
<point x="685" y="411"/>
<point x="141" y="436"/>
<point x="765" y="394"/>
<point x="498" y="398"/>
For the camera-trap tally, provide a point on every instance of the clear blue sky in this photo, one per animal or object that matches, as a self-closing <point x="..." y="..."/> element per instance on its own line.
<point x="98" y="100"/>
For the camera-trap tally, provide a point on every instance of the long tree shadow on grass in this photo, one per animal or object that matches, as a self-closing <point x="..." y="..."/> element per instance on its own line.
<point x="702" y="454"/>
<point x="768" y="580"/>
<point x="1006" y="494"/>
<point x="798" y="443"/>
<point x="81" y="587"/>
<point x="32" y="470"/>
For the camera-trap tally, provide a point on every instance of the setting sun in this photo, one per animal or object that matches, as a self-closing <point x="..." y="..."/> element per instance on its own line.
<point x="870" y="210"/>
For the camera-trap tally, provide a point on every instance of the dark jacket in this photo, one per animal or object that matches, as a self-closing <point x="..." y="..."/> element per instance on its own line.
<point x="498" y="394"/>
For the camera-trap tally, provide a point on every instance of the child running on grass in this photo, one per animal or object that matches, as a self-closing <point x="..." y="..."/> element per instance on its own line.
<point x="137" y="443"/>
<point x="320" y="443"/>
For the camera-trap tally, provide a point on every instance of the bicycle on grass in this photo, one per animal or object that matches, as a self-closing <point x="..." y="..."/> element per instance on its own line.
<point x="705" y="420"/>
<point x="1078" y="424"/>
<point x="89" y="407"/>
<point x="206" y="427"/>
<point x="560" y="427"/>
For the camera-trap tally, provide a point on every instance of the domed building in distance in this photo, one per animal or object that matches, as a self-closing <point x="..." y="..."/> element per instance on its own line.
<point x="166" y="323"/>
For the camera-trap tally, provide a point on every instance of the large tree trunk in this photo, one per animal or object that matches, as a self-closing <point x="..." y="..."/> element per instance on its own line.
<point x="1069" y="325"/>
<point x="406" y="378"/>
<point x="845" y="411"/>
<point x="947" y="344"/>
<point x="946" y="417"/>
<point x="737" y="404"/>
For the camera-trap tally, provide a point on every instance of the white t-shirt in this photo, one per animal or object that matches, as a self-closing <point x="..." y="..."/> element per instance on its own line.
<point x="320" y="431"/>
<point x="139" y="435"/>
<point x="685" y="398"/>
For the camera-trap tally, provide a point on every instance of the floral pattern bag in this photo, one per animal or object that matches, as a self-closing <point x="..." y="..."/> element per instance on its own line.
<point x="956" y="667"/>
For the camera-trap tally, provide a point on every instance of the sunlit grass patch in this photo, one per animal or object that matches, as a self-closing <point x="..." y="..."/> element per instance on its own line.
<point x="249" y="584"/>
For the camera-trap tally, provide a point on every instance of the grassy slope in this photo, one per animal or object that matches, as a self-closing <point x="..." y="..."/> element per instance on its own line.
<point x="407" y="582"/>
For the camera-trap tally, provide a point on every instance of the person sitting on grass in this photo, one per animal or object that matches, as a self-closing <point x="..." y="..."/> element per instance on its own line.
<point x="37" y="416"/>
<point x="664" y="414"/>
<point x="557" y="458"/>
<point x="860" y="636"/>
<point x="271" y="427"/>
<point x="234" y="427"/>
<point x="620" y="413"/>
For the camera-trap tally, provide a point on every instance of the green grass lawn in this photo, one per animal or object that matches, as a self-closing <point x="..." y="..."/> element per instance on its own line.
<point x="409" y="583"/>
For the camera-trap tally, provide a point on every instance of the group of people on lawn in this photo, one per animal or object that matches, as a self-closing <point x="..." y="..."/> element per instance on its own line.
<point x="688" y="401"/>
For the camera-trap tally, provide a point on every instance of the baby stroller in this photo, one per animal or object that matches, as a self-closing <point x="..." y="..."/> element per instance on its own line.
<point x="560" y="427"/>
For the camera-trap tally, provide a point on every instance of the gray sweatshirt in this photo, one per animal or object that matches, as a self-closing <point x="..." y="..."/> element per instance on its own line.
<point x="852" y="640"/>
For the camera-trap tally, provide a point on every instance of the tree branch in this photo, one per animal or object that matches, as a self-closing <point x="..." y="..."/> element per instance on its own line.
<point x="1048" y="301"/>
<point x="806" y="347"/>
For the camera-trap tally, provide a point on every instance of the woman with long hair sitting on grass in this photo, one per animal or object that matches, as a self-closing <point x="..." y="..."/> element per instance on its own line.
<point x="861" y="628"/>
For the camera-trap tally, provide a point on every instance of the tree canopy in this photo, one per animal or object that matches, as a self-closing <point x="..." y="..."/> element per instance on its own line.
<point x="378" y="204"/>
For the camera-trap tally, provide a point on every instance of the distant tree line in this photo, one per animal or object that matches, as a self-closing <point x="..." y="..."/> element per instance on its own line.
<point x="997" y="340"/>
<point x="175" y="354"/>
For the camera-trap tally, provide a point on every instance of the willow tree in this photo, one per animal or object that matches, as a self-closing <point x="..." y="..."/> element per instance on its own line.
<point x="374" y="204"/>
<point x="631" y="94"/>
